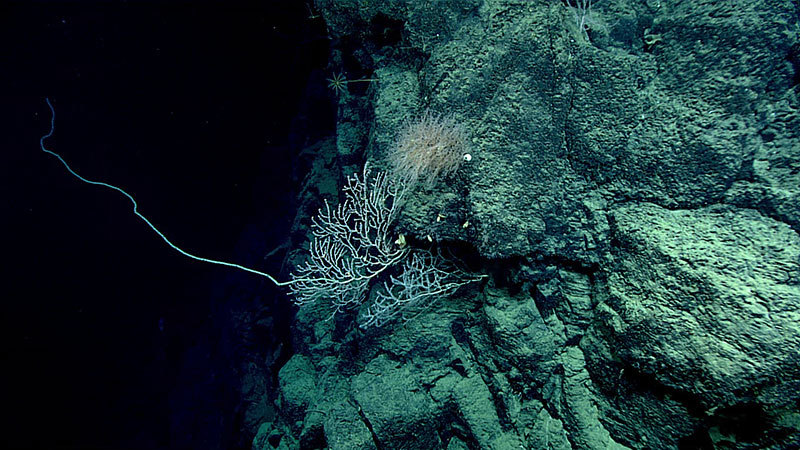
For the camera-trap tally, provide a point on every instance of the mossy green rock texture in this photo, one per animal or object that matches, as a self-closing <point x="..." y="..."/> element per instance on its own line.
<point x="633" y="198"/>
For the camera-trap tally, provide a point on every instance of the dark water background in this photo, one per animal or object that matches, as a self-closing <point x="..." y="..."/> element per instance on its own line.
<point x="110" y="338"/>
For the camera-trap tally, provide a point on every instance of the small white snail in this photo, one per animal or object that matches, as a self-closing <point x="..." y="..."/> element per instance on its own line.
<point x="467" y="157"/>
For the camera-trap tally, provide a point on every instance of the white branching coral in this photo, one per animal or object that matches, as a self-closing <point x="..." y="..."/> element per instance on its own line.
<point x="423" y="278"/>
<point x="351" y="243"/>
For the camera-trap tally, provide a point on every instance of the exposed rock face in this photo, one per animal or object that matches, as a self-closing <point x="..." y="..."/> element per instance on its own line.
<point x="633" y="195"/>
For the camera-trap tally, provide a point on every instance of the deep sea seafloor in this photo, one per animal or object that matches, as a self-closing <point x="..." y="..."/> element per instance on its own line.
<point x="467" y="224"/>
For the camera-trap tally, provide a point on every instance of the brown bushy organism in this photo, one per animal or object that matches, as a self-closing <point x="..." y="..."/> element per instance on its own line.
<point x="428" y="147"/>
